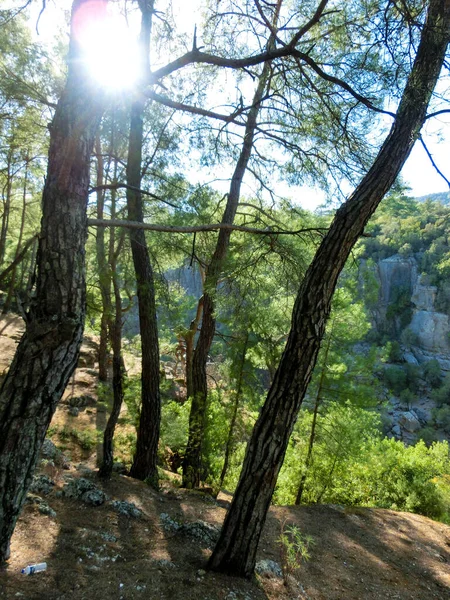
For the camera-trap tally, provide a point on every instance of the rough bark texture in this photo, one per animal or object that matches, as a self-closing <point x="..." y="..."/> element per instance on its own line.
<point x="236" y="549"/>
<point x="48" y="352"/>
<point x="192" y="463"/>
<point x="144" y="463"/>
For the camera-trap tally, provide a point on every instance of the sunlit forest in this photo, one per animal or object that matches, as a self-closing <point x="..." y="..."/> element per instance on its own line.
<point x="219" y="294"/>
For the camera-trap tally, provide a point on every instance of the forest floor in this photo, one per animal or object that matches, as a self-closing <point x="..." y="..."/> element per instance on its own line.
<point x="159" y="551"/>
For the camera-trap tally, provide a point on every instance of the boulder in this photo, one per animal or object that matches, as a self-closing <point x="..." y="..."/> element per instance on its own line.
<point x="84" y="490"/>
<point x="409" y="422"/>
<point x="269" y="568"/>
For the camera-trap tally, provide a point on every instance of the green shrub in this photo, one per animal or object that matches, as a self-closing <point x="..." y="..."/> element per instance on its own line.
<point x="442" y="395"/>
<point x="432" y="373"/>
<point x="395" y="378"/>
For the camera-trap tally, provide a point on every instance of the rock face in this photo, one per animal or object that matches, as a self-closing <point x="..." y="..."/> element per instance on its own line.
<point x="430" y="329"/>
<point x="395" y="272"/>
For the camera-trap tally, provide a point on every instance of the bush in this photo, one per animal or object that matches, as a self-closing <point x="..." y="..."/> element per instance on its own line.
<point x="432" y="373"/>
<point x="442" y="395"/>
<point x="442" y="417"/>
<point x="395" y="378"/>
<point x="394" y="352"/>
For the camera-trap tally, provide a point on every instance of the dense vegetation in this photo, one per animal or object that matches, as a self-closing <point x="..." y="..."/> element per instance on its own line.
<point x="237" y="306"/>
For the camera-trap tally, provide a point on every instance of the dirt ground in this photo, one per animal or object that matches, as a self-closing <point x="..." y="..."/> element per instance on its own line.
<point x="94" y="553"/>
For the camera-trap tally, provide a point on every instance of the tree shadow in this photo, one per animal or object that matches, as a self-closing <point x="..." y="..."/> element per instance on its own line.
<point x="371" y="553"/>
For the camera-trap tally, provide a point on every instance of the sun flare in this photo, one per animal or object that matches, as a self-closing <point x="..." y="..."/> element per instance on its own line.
<point x="109" y="47"/>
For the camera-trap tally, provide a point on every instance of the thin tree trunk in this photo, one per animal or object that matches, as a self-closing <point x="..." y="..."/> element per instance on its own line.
<point x="12" y="282"/>
<point x="192" y="463"/>
<point x="237" y="399"/>
<point x="312" y="435"/>
<point x="145" y="460"/>
<point x="115" y="331"/>
<point x="236" y="549"/>
<point x="19" y="258"/>
<point x="104" y="273"/>
<point x="6" y="208"/>
<point x="118" y="365"/>
<point x="189" y="338"/>
<point x="48" y="351"/>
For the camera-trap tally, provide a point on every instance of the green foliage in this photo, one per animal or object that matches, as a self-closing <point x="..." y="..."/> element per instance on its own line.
<point x="394" y="351"/>
<point x="442" y="417"/>
<point x="295" y="547"/>
<point x="174" y="425"/>
<point x="432" y="372"/>
<point x="395" y="378"/>
<point x="441" y="395"/>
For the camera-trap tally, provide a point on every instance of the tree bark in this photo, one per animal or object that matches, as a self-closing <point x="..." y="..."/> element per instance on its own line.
<point x="145" y="460"/>
<point x="48" y="351"/>
<point x="236" y="549"/>
<point x="192" y="463"/>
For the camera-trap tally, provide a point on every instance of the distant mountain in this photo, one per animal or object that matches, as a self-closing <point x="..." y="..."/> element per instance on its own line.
<point x="442" y="197"/>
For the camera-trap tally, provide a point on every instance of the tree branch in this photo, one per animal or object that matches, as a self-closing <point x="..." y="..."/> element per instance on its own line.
<point x="197" y="228"/>
<point x="432" y="161"/>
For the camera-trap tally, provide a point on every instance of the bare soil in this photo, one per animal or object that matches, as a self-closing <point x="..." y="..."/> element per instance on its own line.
<point x="94" y="553"/>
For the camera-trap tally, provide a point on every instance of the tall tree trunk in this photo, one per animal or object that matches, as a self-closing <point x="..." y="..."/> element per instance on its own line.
<point x="145" y="460"/>
<point x="104" y="273"/>
<point x="6" y="208"/>
<point x="236" y="549"/>
<point x="12" y="282"/>
<point x="237" y="399"/>
<point x="48" y="351"/>
<point x="312" y="433"/>
<point x="114" y="322"/>
<point x="192" y="463"/>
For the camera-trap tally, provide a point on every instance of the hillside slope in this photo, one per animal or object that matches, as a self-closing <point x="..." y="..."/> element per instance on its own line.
<point x="122" y="540"/>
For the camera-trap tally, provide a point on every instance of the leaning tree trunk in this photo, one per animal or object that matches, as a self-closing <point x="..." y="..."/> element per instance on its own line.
<point x="145" y="459"/>
<point x="192" y="463"/>
<point x="48" y="351"/>
<point x="236" y="549"/>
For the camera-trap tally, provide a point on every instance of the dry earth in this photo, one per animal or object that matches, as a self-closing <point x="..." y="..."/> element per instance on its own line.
<point x="95" y="553"/>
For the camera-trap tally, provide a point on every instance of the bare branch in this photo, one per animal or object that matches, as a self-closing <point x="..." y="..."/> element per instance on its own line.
<point x="433" y="163"/>
<point x="194" y="109"/>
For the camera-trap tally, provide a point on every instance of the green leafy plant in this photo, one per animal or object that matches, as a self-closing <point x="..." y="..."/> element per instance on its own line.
<point x="295" y="547"/>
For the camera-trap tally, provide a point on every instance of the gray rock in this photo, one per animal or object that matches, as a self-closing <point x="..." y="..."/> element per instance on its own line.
<point x="199" y="530"/>
<point x="127" y="509"/>
<point x="409" y="422"/>
<point x="168" y="523"/>
<point x="397" y="431"/>
<point x="84" y="490"/>
<point x="422" y="415"/>
<point x="82" y="401"/>
<point x="409" y="358"/>
<point x="432" y="330"/>
<point x="74" y="411"/>
<point x="49" y="450"/>
<point x="163" y="563"/>
<point x="43" y="506"/>
<point x="269" y="568"/>
<point x="42" y="484"/>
